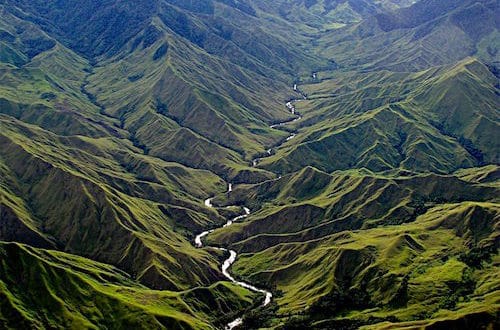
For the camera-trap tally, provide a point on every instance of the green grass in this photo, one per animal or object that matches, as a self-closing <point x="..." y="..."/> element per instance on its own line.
<point x="438" y="120"/>
<point x="76" y="292"/>
<point x="345" y="252"/>
<point x="115" y="127"/>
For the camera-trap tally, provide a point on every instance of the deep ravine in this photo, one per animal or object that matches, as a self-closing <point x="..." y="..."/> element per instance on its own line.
<point x="198" y="241"/>
<point x="291" y="107"/>
<point x="230" y="260"/>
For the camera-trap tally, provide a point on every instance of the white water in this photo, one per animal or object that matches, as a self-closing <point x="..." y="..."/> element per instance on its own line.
<point x="232" y="258"/>
<point x="234" y="324"/>
<point x="208" y="202"/>
<point x="290" y="107"/>
<point x="197" y="240"/>
<point x="232" y="254"/>
<point x="227" y="264"/>
<point x="243" y="216"/>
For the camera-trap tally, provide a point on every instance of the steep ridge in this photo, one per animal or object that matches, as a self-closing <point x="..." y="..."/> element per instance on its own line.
<point x="77" y="292"/>
<point x="381" y="122"/>
<point x="426" y="34"/>
<point x="373" y="183"/>
<point x="344" y="201"/>
<point x="103" y="216"/>
<point x="45" y="88"/>
<point x="133" y="210"/>
<point x="215" y="88"/>
<point x="327" y="15"/>
<point x="386" y="228"/>
<point x="232" y="254"/>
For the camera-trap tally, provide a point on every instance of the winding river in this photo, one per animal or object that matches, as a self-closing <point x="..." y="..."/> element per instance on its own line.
<point x="231" y="259"/>
<point x="291" y="107"/>
<point x="198" y="241"/>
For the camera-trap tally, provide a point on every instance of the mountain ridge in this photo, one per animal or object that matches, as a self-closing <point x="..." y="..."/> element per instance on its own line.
<point x="351" y="144"/>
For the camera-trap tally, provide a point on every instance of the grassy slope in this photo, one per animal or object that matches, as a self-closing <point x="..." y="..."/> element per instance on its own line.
<point x="105" y="213"/>
<point x="392" y="249"/>
<point x="74" y="292"/>
<point x="202" y="94"/>
<point x="364" y="249"/>
<point x="45" y="89"/>
<point x="318" y="15"/>
<point x="118" y="205"/>
<point x="439" y="119"/>
<point x="131" y="210"/>
<point x="427" y="34"/>
<point x="218" y="93"/>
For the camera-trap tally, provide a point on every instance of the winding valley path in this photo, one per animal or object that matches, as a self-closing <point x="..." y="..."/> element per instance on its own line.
<point x="198" y="241"/>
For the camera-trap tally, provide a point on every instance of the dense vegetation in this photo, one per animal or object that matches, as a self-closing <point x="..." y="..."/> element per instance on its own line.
<point x="118" y="118"/>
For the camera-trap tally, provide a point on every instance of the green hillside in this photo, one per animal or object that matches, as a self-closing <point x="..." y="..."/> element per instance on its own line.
<point x="340" y="157"/>
<point x="439" y="119"/>
<point x="73" y="292"/>
<point x="367" y="249"/>
<point x="426" y="34"/>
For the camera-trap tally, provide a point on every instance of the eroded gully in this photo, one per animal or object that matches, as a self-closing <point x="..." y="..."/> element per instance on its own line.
<point x="198" y="241"/>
